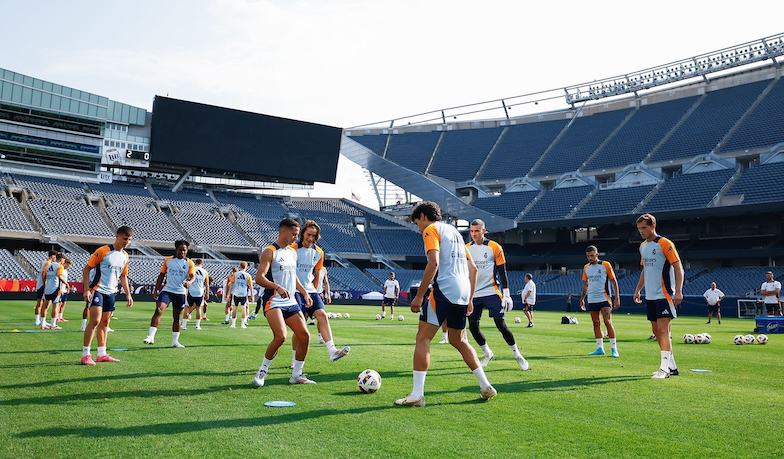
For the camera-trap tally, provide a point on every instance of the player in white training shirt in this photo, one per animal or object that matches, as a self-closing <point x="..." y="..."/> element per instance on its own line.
<point x="178" y="271"/>
<point x="391" y="294"/>
<point x="597" y="276"/>
<point x="198" y="294"/>
<point x="713" y="297"/>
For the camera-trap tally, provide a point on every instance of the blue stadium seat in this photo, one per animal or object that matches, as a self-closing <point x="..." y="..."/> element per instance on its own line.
<point x="764" y="126"/>
<point x="689" y="191"/>
<point x="462" y="152"/>
<point x="520" y="148"/>
<point x="557" y="203"/>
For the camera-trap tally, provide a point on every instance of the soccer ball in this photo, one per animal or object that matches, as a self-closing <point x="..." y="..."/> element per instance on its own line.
<point x="518" y="320"/>
<point x="739" y="339"/>
<point x="369" y="381"/>
<point x="330" y="315"/>
<point x="762" y="339"/>
<point x="400" y="317"/>
<point x="749" y="339"/>
<point x="337" y="315"/>
<point x="707" y="337"/>
<point x="346" y="316"/>
<point x="378" y="316"/>
<point x="688" y="338"/>
<point x="699" y="338"/>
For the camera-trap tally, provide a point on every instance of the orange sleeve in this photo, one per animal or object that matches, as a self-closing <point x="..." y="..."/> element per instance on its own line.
<point x="432" y="239"/>
<point x="669" y="250"/>
<point x="60" y="270"/>
<point x="585" y="276"/>
<point x="127" y="261"/>
<point x="642" y="262"/>
<point x="500" y="259"/>
<point x="191" y="267"/>
<point x="98" y="256"/>
<point x="320" y="263"/>
<point x="609" y="268"/>
<point x="230" y="280"/>
<point x="163" y="268"/>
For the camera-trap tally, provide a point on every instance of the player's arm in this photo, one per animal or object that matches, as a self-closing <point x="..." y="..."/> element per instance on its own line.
<point x="397" y="292"/>
<point x="304" y="293"/>
<point x="472" y="271"/>
<point x="640" y="285"/>
<point x="126" y="286"/>
<point x="86" y="281"/>
<point x="265" y="261"/>
<point x="506" y="299"/>
<point x="252" y="292"/>
<point x="206" y="287"/>
<point x="582" y="294"/>
<point x="158" y="285"/>
<point x="678" y="297"/>
<point x="427" y="278"/>
<point x="327" y="293"/>
<point x="617" y="290"/>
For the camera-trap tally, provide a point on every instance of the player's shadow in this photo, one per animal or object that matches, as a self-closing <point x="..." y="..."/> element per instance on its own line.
<point x="123" y="377"/>
<point x="545" y="385"/>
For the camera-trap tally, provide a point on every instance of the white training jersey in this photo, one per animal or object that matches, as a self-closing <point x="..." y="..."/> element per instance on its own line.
<point x="177" y="271"/>
<point x="309" y="261"/>
<point x="322" y="277"/>
<point x="109" y="266"/>
<point x="529" y="287"/>
<point x="771" y="287"/>
<point x="198" y="288"/>
<point x="39" y="281"/>
<point x="53" y="272"/>
<point x="452" y="278"/>
<point x="657" y="258"/>
<point x="713" y="296"/>
<point x="282" y="271"/>
<point x="243" y="284"/>
<point x="64" y="287"/>
<point x="598" y="277"/>
<point x="391" y="287"/>
<point x="487" y="256"/>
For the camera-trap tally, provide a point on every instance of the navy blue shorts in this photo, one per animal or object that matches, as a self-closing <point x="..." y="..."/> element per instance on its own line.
<point x="194" y="300"/>
<point x="317" y="304"/>
<point x="599" y="306"/>
<point x="441" y="309"/>
<point x="388" y="301"/>
<point x="105" y="301"/>
<point x="39" y="294"/>
<point x="491" y="302"/>
<point x="239" y="301"/>
<point x="52" y="296"/>
<point x="62" y="298"/>
<point x="177" y="300"/>
<point x="287" y="311"/>
<point x="659" y="309"/>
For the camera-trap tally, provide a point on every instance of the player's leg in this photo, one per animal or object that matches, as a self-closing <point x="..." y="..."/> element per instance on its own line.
<point x="44" y="311"/>
<point x="229" y="301"/>
<point x="178" y="302"/>
<point x="160" y="306"/>
<point x="85" y="316"/>
<point x="383" y="307"/>
<point x="718" y="312"/>
<point x="102" y="332"/>
<point x="278" y="327"/>
<point x="296" y="322"/>
<point x="607" y="317"/>
<point x="597" y="331"/>
<point x="245" y="313"/>
<point x="497" y="312"/>
<point x="455" y="324"/>
<point x="96" y="312"/>
<point x="476" y="332"/>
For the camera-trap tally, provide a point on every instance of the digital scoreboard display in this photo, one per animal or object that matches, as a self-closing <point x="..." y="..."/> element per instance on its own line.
<point x="241" y="144"/>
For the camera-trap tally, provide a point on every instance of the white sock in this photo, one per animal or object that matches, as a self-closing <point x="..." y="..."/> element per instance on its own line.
<point x="184" y="323"/>
<point x="198" y="323"/>
<point x="85" y="351"/>
<point x="293" y="356"/>
<point x="486" y="349"/>
<point x="665" y="361"/>
<point x="331" y="347"/>
<point x="481" y="377"/>
<point x="59" y="315"/>
<point x="244" y="321"/>
<point x="613" y="344"/>
<point x="153" y="330"/>
<point x="228" y="317"/>
<point x="38" y="319"/>
<point x="265" y="364"/>
<point x="321" y="338"/>
<point x="514" y="349"/>
<point x="600" y="342"/>
<point x="419" y="385"/>
<point x="101" y="351"/>
<point x="234" y="322"/>
<point x="84" y="323"/>
<point x="446" y="336"/>
<point x="672" y="362"/>
<point x="175" y="337"/>
<point x="383" y="314"/>
<point x="298" y="364"/>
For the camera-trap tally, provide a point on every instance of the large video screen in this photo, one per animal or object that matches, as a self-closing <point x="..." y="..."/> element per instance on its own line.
<point x="243" y="144"/>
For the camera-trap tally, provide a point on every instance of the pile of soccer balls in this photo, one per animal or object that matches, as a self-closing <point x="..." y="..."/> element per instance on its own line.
<point x="750" y="339"/>
<point x="369" y="381"/>
<point x="699" y="338"/>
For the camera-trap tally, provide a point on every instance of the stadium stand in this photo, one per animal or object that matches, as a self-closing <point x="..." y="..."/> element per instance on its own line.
<point x="507" y="205"/>
<point x="764" y="126"/>
<point x="732" y="281"/>
<point x="404" y="277"/>
<point x="640" y="135"/>
<point x="208" y="228"/>
<point x="401" y="241"/>
<point x="186" y="199"/>
<point x="710" y="121"/>
<point x="614" y="201"/>
<point x="10" y="267"/>
<point x="69" y="218"/>
<point x="760" y="183"/>
<point x="519" y="149"/>
<point x="412" y="149"/>
<point x="689" y="191"/>
<point x="462" y="152"/>
<point x="265" y="208"/>
<point x="351" y="278"/>
<point x="147" y="224"/>
<point x="50" y="188"/>
<point x="376" y="143"/>
<point x="579" y="141"/>
<point x="13" y="217"/>
<point x="125" y="194"/>
<point x="557" y="203"/>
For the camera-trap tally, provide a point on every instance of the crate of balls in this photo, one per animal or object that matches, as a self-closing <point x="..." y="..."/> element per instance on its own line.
<point x="769" y="325"/>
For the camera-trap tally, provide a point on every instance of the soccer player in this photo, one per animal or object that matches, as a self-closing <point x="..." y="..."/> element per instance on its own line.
<point x="770" y="291"/>
<point x="179" y="273"/>
<point x="310" y="260"/>
<point x="59" y="302"/>
<point x="111" y="267"/>
<point x="53" y="281"/>
<point x="391" y="293"/>
<point x="227" y="296"/>
<point x="713" y="297"/>
<point x="491" y="271"/>
<point x="240" y="287"/>
<point x="39" y="288"/>
<point x="277" y="273"/>
<point x="449" y="262"/>
<point x="662" y="277"/>
<point x="529" y="298"/>
<point x="597" y="275"/>
<point x="198" y="293"/>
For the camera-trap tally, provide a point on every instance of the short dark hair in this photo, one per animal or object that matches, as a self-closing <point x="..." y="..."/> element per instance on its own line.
<point x="59" y="256"/>
<point x="647" y="218"/>
<point x="125" y="231"/>
<point x="288" y="223"/>
<point x="52" y="253"/>
<point x="591" y="248"/>
<point x="180" y="242"/>
<point x="478" y="222"/>
<point x="430" y="209"/>
<point x="198" y="261"/>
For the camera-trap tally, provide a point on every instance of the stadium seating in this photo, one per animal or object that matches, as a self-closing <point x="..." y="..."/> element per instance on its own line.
<point x="761" y="183"/>
<point x="351" y="278"/>
<point x="404" y="277"/>
<point x="640" y="135"/>
<point x="125" y="194"/>
<point x="266" y="208"/>
<point x="764" y="126"/>
<point x="50" y="188"/>
<point x="507" y="205"/>
<point x="208" y="228"/>
<point x="13" y="217"/>
<point x="520" y="148"/>
<point x="579" y="142"/>
<point x="147" y="224"/>
<point x="401" y="241"/>
<point x="340" y="238"/>
<point x="413" y="149"/>
<point x="375" y="143"/>
<point x="561" y="285"/>
<point x="732" y="281"/>
<point x="10" y="267"/>
<point x="462" y="152"/>
<point x="689" y="191"/>
<point x="557" y="203"/>
<point x="617" y="201"/>
<point x="187" y="199"/>
<point x="705" y="127"/>
<point x="69" y="218"/>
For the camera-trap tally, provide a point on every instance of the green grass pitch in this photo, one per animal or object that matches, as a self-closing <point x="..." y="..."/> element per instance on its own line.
<point x="200" y="401"/>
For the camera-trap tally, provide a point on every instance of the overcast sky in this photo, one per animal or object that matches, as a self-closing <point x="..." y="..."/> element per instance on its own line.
<point x="346" y="63"/>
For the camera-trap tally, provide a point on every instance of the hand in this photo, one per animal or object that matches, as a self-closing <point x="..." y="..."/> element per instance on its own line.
<point x="616" y="303"/>
<point x="129" y="304"/>
<point x="416" y="304"/>
<point x="328" y="299"/>
<point x="285" y="293"/>
<point x="470" y="308"/>
<point x="506" y="301"/>
<point x="308" y="300"/>
<point x="88" y="296"/>
<point x="582" y="304"/>
<point x="637" y="298"/>
<point x="677" y="298"/>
